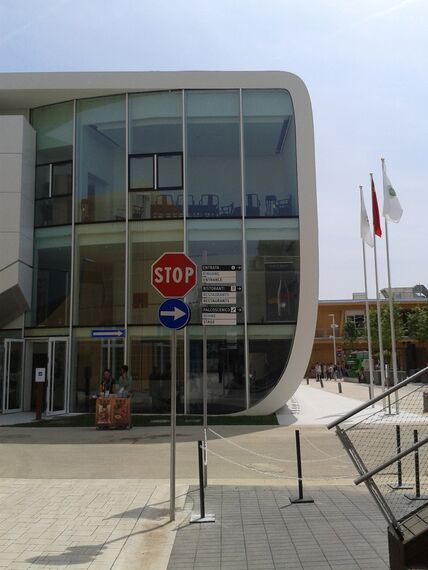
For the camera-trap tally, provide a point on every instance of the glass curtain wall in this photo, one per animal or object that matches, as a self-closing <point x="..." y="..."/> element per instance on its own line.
<point x="215" y="188"/>
<point x="269" y="153"/>
<point x="155" y="155"/>
<point x="213" y="154"/>
<point x="100" y="157"/>
<point x="54" y="164"/>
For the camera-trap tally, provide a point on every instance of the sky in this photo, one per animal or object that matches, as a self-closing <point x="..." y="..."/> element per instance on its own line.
<point x="365" y="63"/>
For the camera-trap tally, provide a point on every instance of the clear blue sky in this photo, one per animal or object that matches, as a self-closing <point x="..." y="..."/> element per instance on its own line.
<point x="365" y="63"/>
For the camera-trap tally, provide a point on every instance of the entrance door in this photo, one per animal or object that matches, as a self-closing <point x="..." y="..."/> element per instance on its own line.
<point x="13" y="375"/>
<point x="57" y="376"/>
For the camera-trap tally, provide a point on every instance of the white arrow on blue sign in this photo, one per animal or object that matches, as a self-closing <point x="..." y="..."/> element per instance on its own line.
<point x="108" y="333"/>
<point x="174" y="314"/>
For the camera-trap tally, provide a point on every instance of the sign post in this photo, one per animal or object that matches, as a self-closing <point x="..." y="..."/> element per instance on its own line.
<point x="173" y="274"/>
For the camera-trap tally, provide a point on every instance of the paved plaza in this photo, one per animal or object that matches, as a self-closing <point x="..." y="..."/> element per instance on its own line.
<point x="82" y="498"/>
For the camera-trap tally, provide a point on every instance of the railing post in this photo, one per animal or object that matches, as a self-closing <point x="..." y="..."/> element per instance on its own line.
<point x="417" y="496"/>
<point x="399" y="484"/>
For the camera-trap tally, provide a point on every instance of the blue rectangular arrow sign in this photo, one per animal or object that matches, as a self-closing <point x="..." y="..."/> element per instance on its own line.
<point x="107" y="333"/>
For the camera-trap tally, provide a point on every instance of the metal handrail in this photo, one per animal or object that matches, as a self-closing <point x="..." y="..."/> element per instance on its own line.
<point x="386" y="464"/>
<point x="377" y="398"/>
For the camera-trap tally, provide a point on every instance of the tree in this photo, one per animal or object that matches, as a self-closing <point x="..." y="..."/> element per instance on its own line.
<point x="350" y="332"/>
<point x="386" y="328"/>
<point x="417" y="324"/>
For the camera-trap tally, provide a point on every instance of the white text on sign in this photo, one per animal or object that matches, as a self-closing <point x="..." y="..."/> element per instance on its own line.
<point x="173" y="274"/>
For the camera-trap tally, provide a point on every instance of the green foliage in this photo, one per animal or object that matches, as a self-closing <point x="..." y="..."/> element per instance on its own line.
<point x="386" y="327"/>
<point x="417" y="324"/>
<point x="350" y="332"/>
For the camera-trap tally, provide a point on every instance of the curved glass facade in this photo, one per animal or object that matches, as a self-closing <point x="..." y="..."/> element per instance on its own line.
<point x="127" y="177"/>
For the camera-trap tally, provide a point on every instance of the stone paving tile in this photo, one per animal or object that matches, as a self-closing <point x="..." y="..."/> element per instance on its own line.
<point x="257" y="528"/>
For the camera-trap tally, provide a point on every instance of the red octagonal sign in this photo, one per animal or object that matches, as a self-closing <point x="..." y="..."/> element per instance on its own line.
<point x="173" y="274"/>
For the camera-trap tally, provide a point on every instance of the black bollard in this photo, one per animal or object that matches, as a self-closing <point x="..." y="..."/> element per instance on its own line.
<point x="202" y="517"/>
<point x="301" y="498"/>
<point x="339" y="386"/>
<point x="322" y="383"/>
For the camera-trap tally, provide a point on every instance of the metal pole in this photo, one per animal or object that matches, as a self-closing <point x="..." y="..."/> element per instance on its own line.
<point x="417" y="479"/>
<point x="300" y="498"/>
<point x="201" y="480"/>
<point x="391" y="318"/>
<point x="379" y="322"/>
<point x="369" y="335"/>
<point x="333" y="326"/>
<point x="173" y="424"/>
<point x="205" y="397"/>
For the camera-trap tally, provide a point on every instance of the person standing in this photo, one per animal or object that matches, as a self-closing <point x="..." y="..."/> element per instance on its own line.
<point x="106" y="386"/>
<point x="318" y="371"/>
<point x="125" y="381"/>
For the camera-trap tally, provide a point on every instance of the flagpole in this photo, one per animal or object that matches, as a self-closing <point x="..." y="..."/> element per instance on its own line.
<point x="390" y="300"/>
<point x="369" y="336"/>
<point x="379" y="321"/>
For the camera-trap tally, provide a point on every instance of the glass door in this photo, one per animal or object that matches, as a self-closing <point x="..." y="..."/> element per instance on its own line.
<point x="13" y="375"/>
<point x="57" y="376"/>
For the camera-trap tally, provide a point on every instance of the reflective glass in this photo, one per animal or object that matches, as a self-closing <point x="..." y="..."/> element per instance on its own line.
<point x="155" y="122"/>
<point x="51" y="277"/>
<point x="272" y="270"/>
<point x="99" y="285"/>
<point x="150" y="367"/>
<point x="62" y="177"/>
<point x="269" y="153"/>
<point x="141" y="173"/>
<point x="148" y="241"/>
<point x="100" y="157"/>
<point x="213" y="154"/>
<point x="91" y="358"/>
<point x="215" y="242"/>
<point x="53" y="211"/>
<point x="269" y="348"/>
<point x="155" y="205"/>
<point x="225" y="368"/>
<point x="169" y="171"/>
<point x="54" y="128"/>
<point x="43" y="181"/>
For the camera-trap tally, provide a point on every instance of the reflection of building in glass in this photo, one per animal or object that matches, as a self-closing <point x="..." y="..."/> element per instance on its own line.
<point x="100" y="175"/>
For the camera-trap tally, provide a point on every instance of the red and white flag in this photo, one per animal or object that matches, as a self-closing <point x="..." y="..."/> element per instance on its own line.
<point x="377" y="230"/>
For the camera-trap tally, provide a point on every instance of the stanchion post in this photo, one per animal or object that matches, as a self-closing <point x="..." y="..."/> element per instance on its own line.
<point x="321" y="383"/>
<point x="301" y="498"/>
<point x="202" y="517"/>
<point x="339" y="385"/>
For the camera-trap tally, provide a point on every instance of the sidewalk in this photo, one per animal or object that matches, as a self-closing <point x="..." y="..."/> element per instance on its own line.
<point x="257" y="528"/>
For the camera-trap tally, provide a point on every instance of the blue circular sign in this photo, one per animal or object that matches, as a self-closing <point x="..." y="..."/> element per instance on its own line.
<point x="174" y="314"/>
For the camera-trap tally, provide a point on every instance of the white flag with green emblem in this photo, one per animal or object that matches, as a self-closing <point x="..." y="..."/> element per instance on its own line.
<point x="392" y="209"/>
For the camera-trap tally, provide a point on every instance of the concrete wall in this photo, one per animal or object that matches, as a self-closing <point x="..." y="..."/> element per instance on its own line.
<point x="17" y="170"/>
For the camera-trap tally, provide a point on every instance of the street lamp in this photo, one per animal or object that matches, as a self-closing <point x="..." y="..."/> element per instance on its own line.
<point x="334" y="327"/>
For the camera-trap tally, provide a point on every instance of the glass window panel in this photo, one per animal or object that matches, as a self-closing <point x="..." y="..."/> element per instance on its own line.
<point x="148" y="241"/>
<point x="269" y="153"/>
<point x="51" y="278"/>
<point x="91" y="358"/>
<point x="156" y="205"/>
<point x="273" y="264"/>
<point x="150" y="366"/>
<point x="214" y="242"/>
<point x="100" y="156"/>
<point x="43" y="174"/>
<point x="62" y="178"/>
<point x="225" y="367"/>
<point x="54" y="128"/>
<point x="100" y="274"/>
<point x="141" y="172"/>
<point x="170" y="171"/>
<point x="53" y="211"/>
<point x="269" y="348"/>
<point x="155" y="122"/>
<point x="213" y="154"/>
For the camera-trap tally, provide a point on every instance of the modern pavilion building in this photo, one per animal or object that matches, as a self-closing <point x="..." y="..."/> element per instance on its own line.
<point x="100" y="173"/>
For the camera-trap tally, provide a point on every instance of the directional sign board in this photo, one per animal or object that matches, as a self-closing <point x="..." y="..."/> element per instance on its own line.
<point x="220" y="294"/>
<point x="173" y="274"/>
<point x="174" y="314"/>
<point x="107" y="333"/>
<point x="220" y="315"/>
<point x="220" y="274"/>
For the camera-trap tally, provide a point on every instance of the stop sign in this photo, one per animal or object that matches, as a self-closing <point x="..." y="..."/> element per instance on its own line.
<point x="173" y="274"/>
